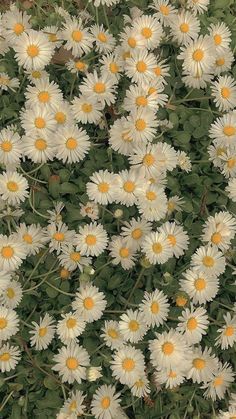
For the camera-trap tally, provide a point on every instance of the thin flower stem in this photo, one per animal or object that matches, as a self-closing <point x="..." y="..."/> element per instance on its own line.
<point x="34" y="209"/>
<point x="105" y="15"/>
<point x="177" y="102"/>
<point x="31" y="177"/>
<point x="6" y="400"/>
<point x="43" y="280"/>
<point x="60" y="291"/>
<point x="36" y="168"/>
<point x="135" y="286"/>
<point x="36" y="266"/>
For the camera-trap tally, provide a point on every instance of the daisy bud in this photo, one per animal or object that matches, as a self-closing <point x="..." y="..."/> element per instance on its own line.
<point x="118" y="213"/>
<point x="168" y="277"/>
<point x="144" y="262"/>
<point x="93" y="373"/>
<point x="89" y="270"/>
<point x="181" y="300"/>
<point x="64" y="273"/>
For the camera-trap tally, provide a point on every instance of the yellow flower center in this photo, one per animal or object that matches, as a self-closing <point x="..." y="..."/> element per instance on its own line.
<point x="167" y="348"/>
<point x="91" y="240"/>
<point x="7" y="252"/>
<point x="216" y="238"/>
<point x="70" y="323"/>
<point x="132" y="42"/>
<point x="112" y="333"/>
<point x="44" y="97"/>
<point x="3" y="323"/>
<point x="229" y="331"/>
<point x="6" y="146"/>
<point x="198" y="55"/>
<point x="146" y="32"/>
<point x="126" y="138"/>
<point x="140" y="125"/>
<point x="148" y="159"/>
<point x="157" y="248"/>
<point x="64" y="273"/>
<point x="10" y="293"/>
<point x="155" y="307"/>
<point x="99" y="87"/>
<point x="151" y="196"/>
<point x="157" y="71"/>
<point x="87" y="107"/>
<point x="172" y="240"/>
<point x="73" y="406"/>
<point x="199" y="363"/>
<point x="184" y="27"/>
<point x="75" y="256"/>
<point x="192" y="324"/>
<point x="5" y="356"/>
<point x="217" y="39"/>
<point x="52" y="37"/>
<point x="12" y="186"/>
<point x="133" y="325"/>
<point x="165" y="10"/>
<point x="124" y="252"/>
<point x="218" y="381"/>
<point x="36" y="74"/>
<point x="225" y="92"/>
<point x="229" y="130"/>
<point x="200" y="284"/>
<point x="88" y="303"/>
<point x="220" y="61"/>
<point x="33" y="51"/>
<point x="113" y="68"/>
<point x="42" y="331"/>
<point x="129" y="186"/>
<point x="141" y="101"/>
<point x="141" y="66"/>
<point x="40" y="144"/>
<point x="128" y="364"/>
<point x="231" y="163"/>
<point x="172" y="374"/>
<point x="60" y="117"/>
<point x="18" y="28"/>
<point x="105" y="402"/>
<point x="59" y="236"/>
<point x="39" y="122"/>
<point x="79" y="65"/>
<point x="72" y="363"/>
<point x="27" y="238"/>
<point x="137" y="233"/>
<point x="208" y="261"/>
<point x="77" y="36"/>
<point x="102" y="37"/>
<point x="103" y="187"/>
<point x="181" y="301"/>
<point x="71" y="143"/>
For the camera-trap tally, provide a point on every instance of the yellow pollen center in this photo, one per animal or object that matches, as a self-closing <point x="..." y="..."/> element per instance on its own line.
<point x="6" y="146"/>
<point x="91" y="240"/>
<point x="102" y="37"/>
<point x="167" y="348"/>
<point x="64" y="273"/>
<point x="36" y="74"/>
<point x="5" y="356"/>
<point x="87" y="107"/>
<point x="75" y="256"/>
<point x="198" y="55"/>
<point x="128" y="364"/>
<point x="42" y="331"/>
<point x="217" y="39"/>
<point x="27" y="238"/>
<point x="141" y="66"/>
<point x="39" y="122"/>
<point x="3" y="323"/>
<point x="73" y="406"/>
<point x="218" y="381"/>
<point x="99" y="87"/>
<point x="157" y="248"/>
<point x="200" y="284"/>
<point x="12" y="186"/>
<point x="133" y="326"/>
<point x="113" y="68"/>
<point x="112" y="333"/>
<point x="184" y="27"/>
<point x="103" y="187"/>
<point x="141" y="101"/>
<point x="208" y="261"/>
<point x="136" y="234"/>
<point x="79" y="65"/>
<point x="192" y="324"/>
<point x="199" y="363"/>
<point x="146" y="32"/>
<point x="164" y="10"/>
<point x="10" y="293"/>
<point x="225" y="92"/>
<point x="155" y="307"/>
<point x="181" y="301"/>
<point x="140" y="125"/>
<point x="129" y="186"/>
<point x="124" y="252"/>
<point x="60" y="117"/>
<point x="231" y="163"/>
<point x="18" y="28"/>
<point x="172" y="374"/>
<point x="32" y="51"/>
<point x="72" y="363"/>
<point x="151" y="196"/>
<point x="88" y="303"/>
<point x="132" y="42"/>
<point x="229" y="130"/>
<point x="220" y="61"/>
<point x="70" y="323"/>
<point x="59" y="236"/>
<point x="105" y="402"/>
<point x="229" y="331"/>
<point x="172" y="239"/>
<point x="77" y="36"/>
<point x="40" y="144"/>
<point x="125" y="137"/>
<point x="7" y="252"/>
<point x="71" y="143"/>
<point x="148" y="159"/>
<point x="52" y="37"/>
<point x="44" y="97"/>
<point x="216" y="238"/>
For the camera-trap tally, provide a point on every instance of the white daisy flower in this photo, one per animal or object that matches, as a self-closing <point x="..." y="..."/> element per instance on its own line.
<point x="71" y="362"/>
<point x="92" y="239"/>
<point x="134" y="231"/>
<point x="14" y="24"/>
<point x="38" y="120"/>
<point x="122" y="253"/>
<point x="227" y="333"/>
<point x="177" y="237"/>
<point x="120" y="138"/>
<point x="72" y="260"/>
<point x="55" y="214"/>
<point x="12" y="253"/>
<point x="164" y="11"/>
<point x="141" y="387"/>
<point x="174" y="203"/>
<point x="198" y="6"/>
<point x="70" y="327"/>
<point x="184" y="27"/>
<point x="126" y="185"/>
<point x="43" y="93"/>
<point x="90" y="209"/>
<point x="127" y="365"/>
<point x="172" y="378"/>
<point x="72" y="144"/>
<point x="161" y="71"/>
<point x="145" y="157"/>
<point x="10" y="147"/>
<point x="228" y="162"/>
<point x="104" y="41"/>
<point x="111" y="64"/>
<point x="59" y="236"/>
<point x="107" y="3"/>
<point x="193" y="323"/>
<point x="105" y="402"/>
<point x="100" y="87"/>
<point x="150" y="30"/>
<point x="140" y="66"/>
<point x="53" y="33"/>
<point x="223" y="61"/>
<point x="222" y="379"/>
<point x="9" y="323"/>
<point x="76" y="66"/>
<point x="31" y="236"/>
<point x="42" y="333"/>
<point x="209" y="260"/>
<point x="131" y="41"/>
<point x="78" y="39"/>
<point x="152" y="202"/>
<point x="196" y="81"/>
<point x="223" y="129"/>
<point x="224" y="93"/>
<point x="89" y="303"/>
<point x="86" y="110"/>
<point x="221" y="36"/>
<point x="33" y="50"/>
<point x="13" y="188"/>
<point x="101" y="189"/>
<point x="38" y="148"/>
<point x="93" y="373"/>
<point x="8" y="83"/>
<point x="200" y="287"/>
<point x="73" y="406"/>
<point x="184" y="161"/>
<point x="132" y="326"/>
<point x="36" y="75"/>
<point x="137" y="97"/>
<point x="219" y="230"/>
<point x="12" y="295"/>
<point x="203" y="365"/>
<point x="111" y="334"/>
<point x="231" y="189"/>
<point x="198" y="56"/>
<point x="155" y="308"/>
<point x="9" y="357"/>
<point x="63" y="114"/>
<point x="157" y="248"/>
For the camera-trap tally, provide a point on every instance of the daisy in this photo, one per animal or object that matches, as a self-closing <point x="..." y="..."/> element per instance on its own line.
<point x="9" y="323"/>
<point x="198" y="56"/>
<point x="154" y="307"/>
<point x="227" y="333"/>
<point x="42" y="333"/>
<point x="31" y="236"/>
<point x="134" y="232"/>
<point x="224" y="93"/>
<point x="169" y="350"/>
<point x="131" y="41"/>
<point x="90" y="209"/>
<point x="120" y="138"/>
<point x="93" y="373"/>
<point x="154" y="89"/>
<point x="137" y="97"/>
<point x="71" y="362"/>
<point x="216" y="151"/>
<point x="161" y="71"/>
<point x="132" y="326"/>
<point x="53" y="33"/>
<point x="198" y="6"/>
<point x="10" y="147"/>
<point x="208" y="260"/>
<point x="172" y="378"/>
<point x="89" y="303"/>
<point x="217" y="386"/>
<point x="142" y="125"/>
<point x="184" y="161"/>
<point x="228" y="165"/>
<point x="111" y="334"/>
<point x="145" y="157"/>
<point x="164" y="11"/>
<point x="105" y="402"/>
<point x="193" y="323"/>
<point x="111" y="64"/>
<point x="150" y="30"/>
<point x="86" y="110"/>
<point x="203" y="365"/>
<point x="200" y="287"/>
<point x="100" y="87"/>
<point x="43" y="93"/>
<point x="223" y="61"/>
<point x="78" y="39"/>
<point x="174" y="203"/>
<point x="221" y="36"/>
<point x="9" y="357"/>
<point x="12" y="295"/>
<point x="127" y="365"/>
<point x="157" y="247"/>
<point x="197" y="81"/>
<point x="104" y="41"/>
<point x="35" y="75"/>
<point x="141" y="387"/>
<point x="184" y="27"/>
<point x="72" y="144"/>
<point x="7" y="83"/>
<point x="13" y="188"/>
<point x="219" y="230"/>
<point x="12" y="253"/>
<point x="70" y="327"/>
<point x="38" y="120"/>
<point x="231" y="189"/>
<point x="59" y="236"/>
<point x="167" y="157"/>
<point x="122" y="253"/>
<point x="71" y="259"/>
<point x="126" y="185"/>
<point x="139" y="67"/>
<point x="63" y="114"/>
<point x="152" y="202"/>
<point x="177" y="237"/>
<point x="38" y="148"/>
<point x="15" y="23"/>
<point x="101" y="188"/>
<point x="33" y="50"/>
<point x="223" y="129"/>
<point x="74" y="405"/>
<point x="55" y="214"/>
<point x="107" y="3"/>
<point x="92" y="239"/>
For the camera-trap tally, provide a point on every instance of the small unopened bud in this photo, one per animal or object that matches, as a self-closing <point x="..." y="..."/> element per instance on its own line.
<point x="167" y="277"/>
<point x="89" y="270"/>
<point x="145" y="263"/>
<point x="93" y="373"/>
<point x="64" y="273"/>
<point x="118" y="213"/>
<point x="181" y="299"/>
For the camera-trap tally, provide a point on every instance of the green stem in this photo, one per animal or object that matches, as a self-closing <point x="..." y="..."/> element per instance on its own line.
<point x="6" y="400"/>
<point x="34" y="209"/>
<point x="105" y="15"/>
<point x="134" y="287"/>
<point x="36" y="266"/>
<point x="60" y="291"/>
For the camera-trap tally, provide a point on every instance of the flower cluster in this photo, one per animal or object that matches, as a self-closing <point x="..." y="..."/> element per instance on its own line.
<point x="119" y="87"/>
